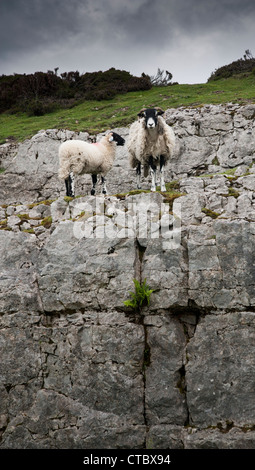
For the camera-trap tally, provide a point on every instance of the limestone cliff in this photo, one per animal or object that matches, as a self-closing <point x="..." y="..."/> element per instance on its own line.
<point x="78" y="368"/>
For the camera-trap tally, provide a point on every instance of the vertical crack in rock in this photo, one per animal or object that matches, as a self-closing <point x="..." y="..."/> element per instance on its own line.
<point x="139" y="250"/>
<point x="146" y="363"/>
<point x="138" y="264"/>
<point x="189" y="324"/>
<point x="182" y="386"/>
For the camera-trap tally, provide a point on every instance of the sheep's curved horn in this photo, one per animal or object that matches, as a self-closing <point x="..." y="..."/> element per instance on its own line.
<point x="159" y="111"/>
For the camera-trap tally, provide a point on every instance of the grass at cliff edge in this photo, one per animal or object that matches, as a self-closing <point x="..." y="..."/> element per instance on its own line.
<point x="98" y="116"/>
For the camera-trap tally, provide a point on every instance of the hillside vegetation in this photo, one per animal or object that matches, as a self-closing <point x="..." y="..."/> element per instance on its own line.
<point x="39" y="93"/>
<point x="243" y="65"/>
<point x="96" y="116"/>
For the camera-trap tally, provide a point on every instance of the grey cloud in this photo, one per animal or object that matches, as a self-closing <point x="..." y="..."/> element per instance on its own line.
<point x="27" y="24"/>
<point x="156" y="23"/>
<point x="201" y="14"/>
<point x="81" y="31"/>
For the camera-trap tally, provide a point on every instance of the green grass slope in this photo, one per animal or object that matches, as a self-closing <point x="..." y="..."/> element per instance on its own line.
<point x="98" y="116"/>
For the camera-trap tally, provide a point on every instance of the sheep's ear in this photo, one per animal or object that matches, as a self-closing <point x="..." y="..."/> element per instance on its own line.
<point x="159" y="111"/>
<point x="141" y="113"/>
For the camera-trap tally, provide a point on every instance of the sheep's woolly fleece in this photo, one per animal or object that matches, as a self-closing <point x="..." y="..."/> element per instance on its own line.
<point x="143" y="143"/>
<point x="82" y="157"/>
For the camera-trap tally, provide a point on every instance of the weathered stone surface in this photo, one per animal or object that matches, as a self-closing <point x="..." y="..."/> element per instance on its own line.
<point x="91" y="269"/>
<point x="212" y="138"/>
<point x="58" y="380"/>
<point x="222" y="438"/>
<point x="165" y="399"/>
<point x="167" y="269"/>
<point x="220" y="367"/>
<point x="165" y="437"/>
<point x="79" y="369"/>
<point x="18" y="280"/>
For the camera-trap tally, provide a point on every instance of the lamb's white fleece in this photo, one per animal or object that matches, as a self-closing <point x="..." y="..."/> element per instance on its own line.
<point x="81" y="157"/>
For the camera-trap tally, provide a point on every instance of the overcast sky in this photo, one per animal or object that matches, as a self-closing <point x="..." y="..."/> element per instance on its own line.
<point x="189" y="38"/>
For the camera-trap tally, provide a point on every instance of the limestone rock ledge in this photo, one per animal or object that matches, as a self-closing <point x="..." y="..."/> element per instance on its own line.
<point x="80" y="370"/>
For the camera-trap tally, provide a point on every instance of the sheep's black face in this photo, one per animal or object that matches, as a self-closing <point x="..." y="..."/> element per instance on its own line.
<point x="150" y="116"/>
<point x="118" y="139"/>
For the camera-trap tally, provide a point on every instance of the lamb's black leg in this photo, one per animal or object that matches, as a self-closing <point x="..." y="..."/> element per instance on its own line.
<point x="153" y="174"/>
<point x="104" y="191"/>
<point x="69" y="182"/>
<point x="138" y="175"/>
<point x="94" y="182"/>
<point x="162" y="166"/>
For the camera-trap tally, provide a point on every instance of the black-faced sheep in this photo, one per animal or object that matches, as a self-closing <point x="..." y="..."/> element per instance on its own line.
<point x="77" y="157"/>
<point x="151" y="143"/>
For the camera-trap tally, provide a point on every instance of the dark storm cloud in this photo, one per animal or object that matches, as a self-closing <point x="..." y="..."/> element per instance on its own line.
<point x="154" y="21"/>
<point x="29" y="23"/>
<point x="26" y="24"/>
<point x="66" y="32"/>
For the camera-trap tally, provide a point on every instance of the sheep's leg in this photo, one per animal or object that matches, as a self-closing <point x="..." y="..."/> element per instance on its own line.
<point x="69" y="182"/>
<point x="94" y="182"/>
<point x="162" y="167"/>
<point x="67" y="186"/>
<point x="103" y="185"/>
<point x="153" y="178"/>
<point x="153" y="174"/>
<point x="71" y="176"/>
<point x="138" y="175"/>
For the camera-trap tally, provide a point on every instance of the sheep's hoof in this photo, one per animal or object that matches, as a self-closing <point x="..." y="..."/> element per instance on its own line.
<point x="104" y="192"/>
<point x="92" y="192"/>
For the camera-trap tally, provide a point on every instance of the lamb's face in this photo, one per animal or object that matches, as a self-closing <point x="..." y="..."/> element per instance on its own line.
<point x="114" y="137"/>
<point x="150" y="116"/>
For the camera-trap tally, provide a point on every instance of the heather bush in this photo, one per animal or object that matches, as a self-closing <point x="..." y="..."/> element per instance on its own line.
<point x="40" y="93"/>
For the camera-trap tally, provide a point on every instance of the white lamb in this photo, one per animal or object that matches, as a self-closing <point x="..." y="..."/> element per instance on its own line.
<point x="151" y="143"/>
<point x="77" y="157"/>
